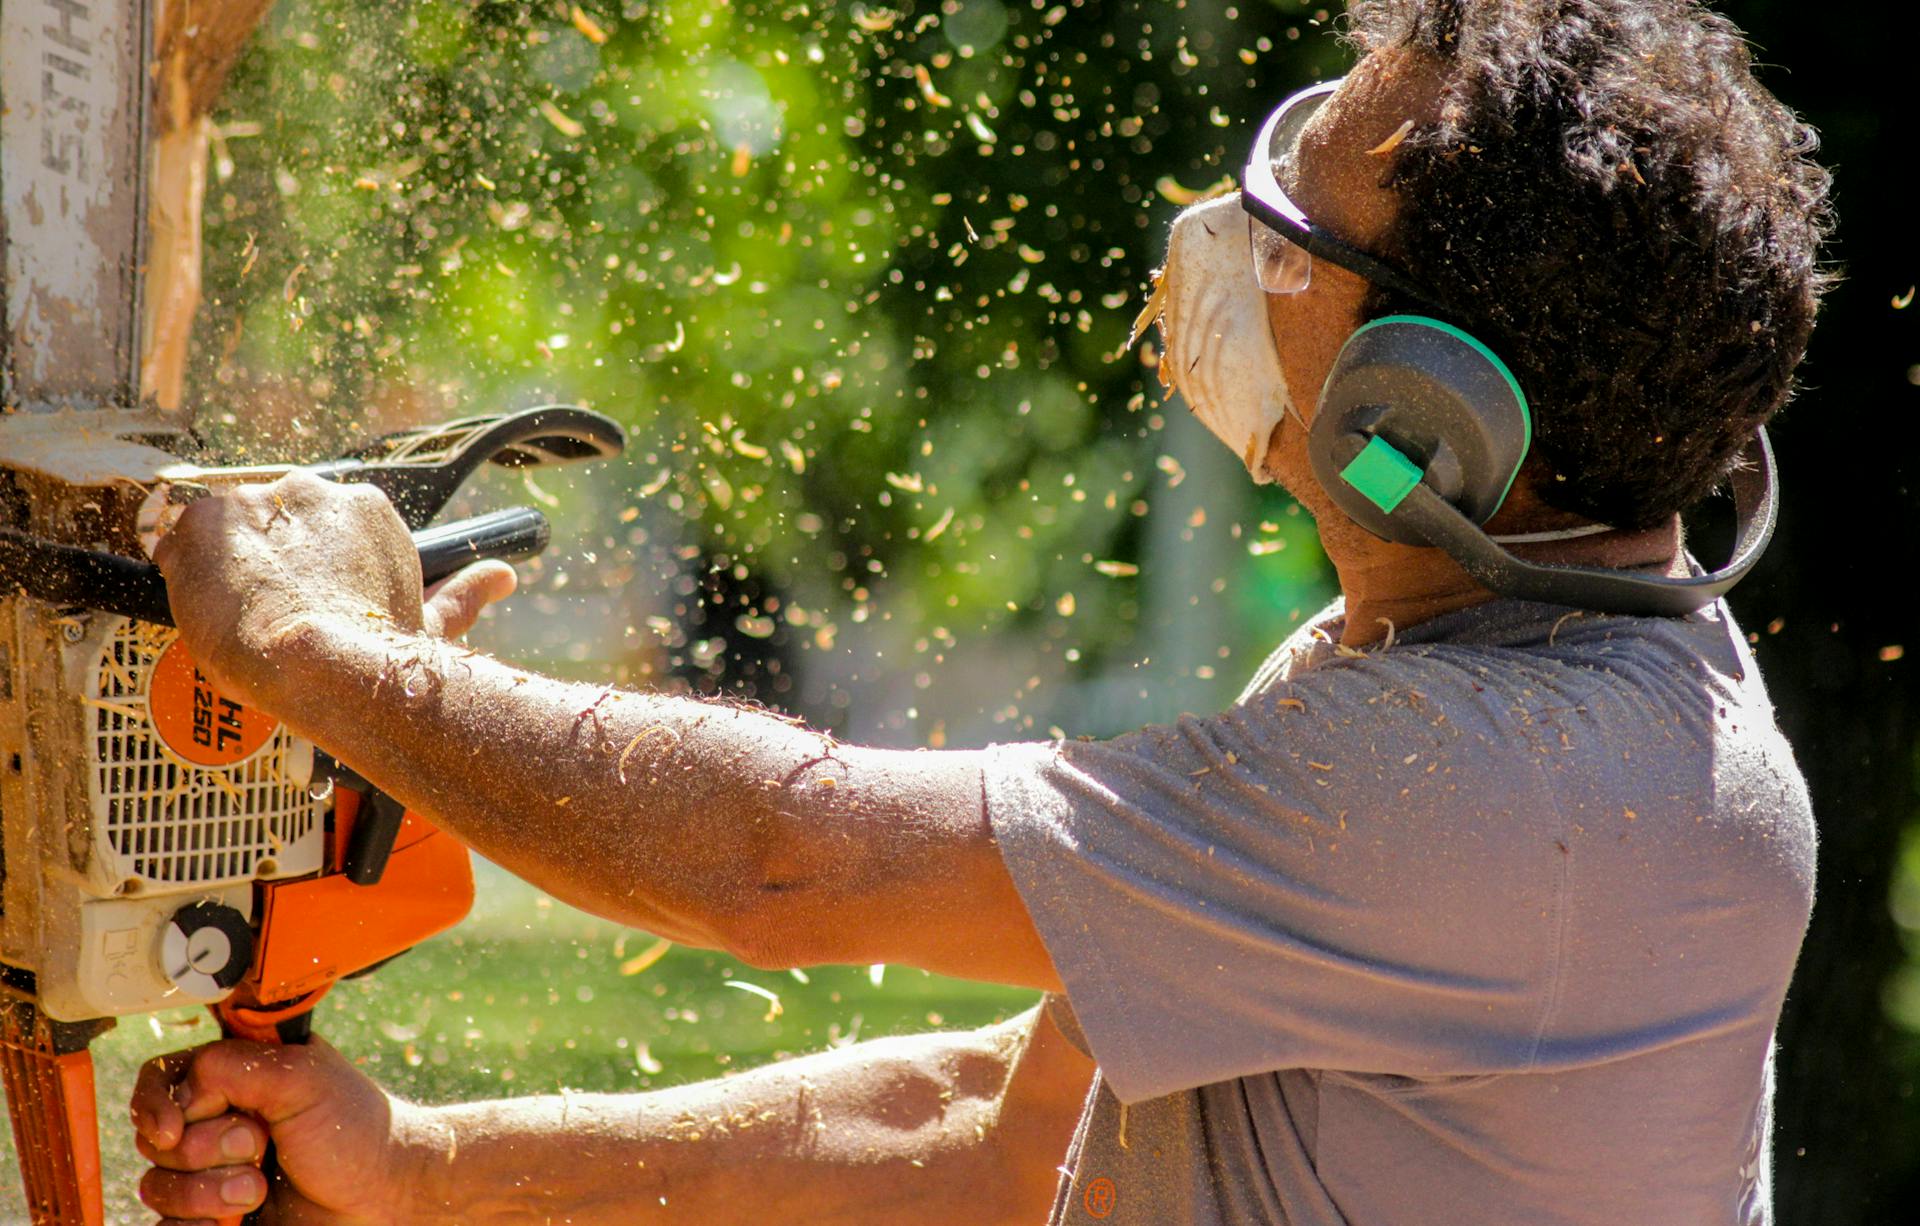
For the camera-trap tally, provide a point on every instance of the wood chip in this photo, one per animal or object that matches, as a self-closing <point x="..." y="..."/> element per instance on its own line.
<point x="646" y="957"/>
<point x="620" y="768"/>
<point x="589" y="28"/>
<point x="1392" y="142"/>
<point x="564" y="123"/>
<point x="928" y="91"/>
<point x="774" y="1007"/>
<point x="125" y="712"/>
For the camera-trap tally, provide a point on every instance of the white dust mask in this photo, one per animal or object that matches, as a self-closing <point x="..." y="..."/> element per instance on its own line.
<point x="1219" y="348"/>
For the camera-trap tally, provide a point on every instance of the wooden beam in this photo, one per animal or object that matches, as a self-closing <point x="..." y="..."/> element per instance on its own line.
<point x="74" y="105"/>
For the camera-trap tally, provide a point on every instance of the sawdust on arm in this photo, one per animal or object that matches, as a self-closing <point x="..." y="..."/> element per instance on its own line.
<point x="713" y="824"/>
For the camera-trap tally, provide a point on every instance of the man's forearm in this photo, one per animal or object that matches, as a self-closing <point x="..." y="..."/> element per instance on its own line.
<point x="960" y="1128"/>
<point x="612" y="801"/>
<point x="710" y="824"/>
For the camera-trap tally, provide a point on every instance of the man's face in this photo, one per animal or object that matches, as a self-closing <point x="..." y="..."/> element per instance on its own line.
<point x="1250" y="364"/>
<point x="1340" y="183"/>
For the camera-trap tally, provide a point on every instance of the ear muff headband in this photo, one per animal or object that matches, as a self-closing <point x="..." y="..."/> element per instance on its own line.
<point x="1420" y="433"/>
<point x="1756" y="507"/>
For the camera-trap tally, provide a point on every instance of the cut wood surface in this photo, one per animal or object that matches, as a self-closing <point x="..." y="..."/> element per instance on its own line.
<point x="198" y="43"/>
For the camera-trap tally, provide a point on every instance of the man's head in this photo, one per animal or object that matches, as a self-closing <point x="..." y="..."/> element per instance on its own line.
<point x="1600" y="191"/>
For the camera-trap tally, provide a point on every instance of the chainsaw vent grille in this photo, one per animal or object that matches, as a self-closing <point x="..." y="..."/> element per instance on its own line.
<point x="168" y="821"/>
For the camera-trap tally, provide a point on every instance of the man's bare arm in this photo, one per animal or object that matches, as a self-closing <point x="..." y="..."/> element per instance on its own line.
<point x="939" y="1128"/>
<point x="714" y="825"/>
<point x="711" y="824"/>
<point x="965" y="1128"/>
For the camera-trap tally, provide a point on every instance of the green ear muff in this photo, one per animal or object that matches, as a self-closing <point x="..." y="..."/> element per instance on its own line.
<point x="1420" y="433"/>
<point x="1411" y="399"/>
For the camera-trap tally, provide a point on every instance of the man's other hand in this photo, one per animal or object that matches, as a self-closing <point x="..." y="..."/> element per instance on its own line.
<point x="202" y="1117"/>
<point x="262" y="562"/>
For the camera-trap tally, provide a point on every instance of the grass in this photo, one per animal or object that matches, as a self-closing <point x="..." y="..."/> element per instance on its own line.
<point x="527" y="996"/>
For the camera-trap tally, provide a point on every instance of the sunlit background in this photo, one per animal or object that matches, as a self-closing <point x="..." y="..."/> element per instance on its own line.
<point x="857" y="279"/>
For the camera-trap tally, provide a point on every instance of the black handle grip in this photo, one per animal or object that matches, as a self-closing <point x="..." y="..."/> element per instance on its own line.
<point x="293" y="1030"/>
<point x="68" y="575"/>
<point x="509" y="535"/>
<point x="371" y="844"/>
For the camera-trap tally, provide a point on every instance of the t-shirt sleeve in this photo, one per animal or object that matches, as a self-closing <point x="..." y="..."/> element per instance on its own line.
<point x="1348" y="871"/>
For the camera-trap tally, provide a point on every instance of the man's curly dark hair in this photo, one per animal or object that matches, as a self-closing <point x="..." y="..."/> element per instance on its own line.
<point x="1613" y="204"/>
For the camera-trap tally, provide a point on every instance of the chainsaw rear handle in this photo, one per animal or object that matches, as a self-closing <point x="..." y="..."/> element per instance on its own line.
<point x="295" y="1029"/>
<point x="315" y="931"/>
<point x="68" y="575"/>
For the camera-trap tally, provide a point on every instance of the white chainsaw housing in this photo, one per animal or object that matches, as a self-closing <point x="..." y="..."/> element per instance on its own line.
<point x="162" y="832"/>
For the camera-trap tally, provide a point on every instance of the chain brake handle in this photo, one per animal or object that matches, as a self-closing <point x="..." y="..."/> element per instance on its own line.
<point x="419" y="470"/>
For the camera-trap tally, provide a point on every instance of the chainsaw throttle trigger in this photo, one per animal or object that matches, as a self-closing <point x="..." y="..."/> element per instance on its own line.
<point x="371" y="843"/>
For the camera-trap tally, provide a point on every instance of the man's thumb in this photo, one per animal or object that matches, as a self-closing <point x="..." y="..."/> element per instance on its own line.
<point x="454" y="604"/>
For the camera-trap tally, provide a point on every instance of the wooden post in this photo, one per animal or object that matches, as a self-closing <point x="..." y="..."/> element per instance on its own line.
<point x="74" y="105"/>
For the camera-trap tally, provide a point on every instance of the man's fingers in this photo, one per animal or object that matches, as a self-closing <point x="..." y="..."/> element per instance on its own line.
<point x="226" y="1191"/>
<point x="454" y="604"/>
<point x="221" y="1141"/>
<point x="274" y="1083"/>
<point x="156" y="1113"/>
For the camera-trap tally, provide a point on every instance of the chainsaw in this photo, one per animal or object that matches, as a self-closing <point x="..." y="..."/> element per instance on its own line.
<point x="166" y="844"/>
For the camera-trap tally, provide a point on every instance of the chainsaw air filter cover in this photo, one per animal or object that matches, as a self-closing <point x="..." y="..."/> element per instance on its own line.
<point x="189" y="788"/>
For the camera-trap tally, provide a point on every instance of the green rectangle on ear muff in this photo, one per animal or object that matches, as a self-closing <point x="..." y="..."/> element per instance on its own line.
<point x="1382" y="474"/>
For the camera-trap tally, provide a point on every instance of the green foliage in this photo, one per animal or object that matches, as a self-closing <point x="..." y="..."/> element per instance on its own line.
<point x="856" y="277"/>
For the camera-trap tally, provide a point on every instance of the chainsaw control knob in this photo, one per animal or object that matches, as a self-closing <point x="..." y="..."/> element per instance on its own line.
<point x="206" y="949"/>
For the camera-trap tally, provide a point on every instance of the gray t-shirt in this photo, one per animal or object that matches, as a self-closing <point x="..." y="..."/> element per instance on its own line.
<point x="1492" y="925"/>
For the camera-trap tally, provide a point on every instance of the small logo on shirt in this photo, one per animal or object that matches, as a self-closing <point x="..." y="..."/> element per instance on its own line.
<point x="1100" y="1197"/>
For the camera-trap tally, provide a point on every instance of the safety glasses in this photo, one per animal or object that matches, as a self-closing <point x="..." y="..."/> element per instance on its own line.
<point x="1285" y="243"/>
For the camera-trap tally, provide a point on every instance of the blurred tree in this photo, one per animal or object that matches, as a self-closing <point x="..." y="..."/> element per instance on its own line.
<point x="857" y="277"/>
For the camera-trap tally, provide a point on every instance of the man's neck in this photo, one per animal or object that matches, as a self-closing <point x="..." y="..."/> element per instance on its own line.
<point x="1390" y="588"/>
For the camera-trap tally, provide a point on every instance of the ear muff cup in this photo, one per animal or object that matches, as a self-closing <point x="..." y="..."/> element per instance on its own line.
<point x="1439" y="398"/>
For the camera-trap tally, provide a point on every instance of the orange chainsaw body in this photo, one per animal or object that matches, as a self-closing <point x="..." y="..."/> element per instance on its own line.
<point x="55" y="1130"/>
<point x="316" y="931"/>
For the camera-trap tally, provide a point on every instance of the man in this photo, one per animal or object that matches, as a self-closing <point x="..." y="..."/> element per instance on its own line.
<point x="1469" y="910"/>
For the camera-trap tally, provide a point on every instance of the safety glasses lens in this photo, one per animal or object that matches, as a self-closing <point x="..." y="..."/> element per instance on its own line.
<point x="1293" y="117"/>
<point x="1278" y="265"/>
